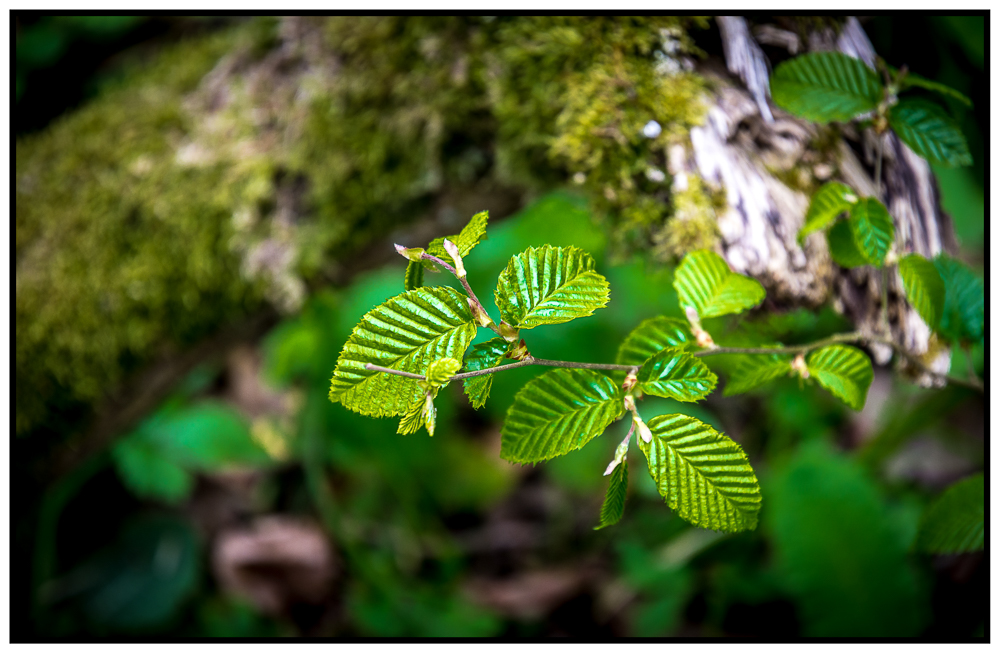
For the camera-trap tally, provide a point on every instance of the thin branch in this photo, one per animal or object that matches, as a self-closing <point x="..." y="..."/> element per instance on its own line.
<point x="465" y="284"/>
<point x="792" y="349"/>
<point x="971" y="384"/>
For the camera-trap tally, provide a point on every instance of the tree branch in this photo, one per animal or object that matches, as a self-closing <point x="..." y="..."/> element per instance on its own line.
<point x="465" y="283"/>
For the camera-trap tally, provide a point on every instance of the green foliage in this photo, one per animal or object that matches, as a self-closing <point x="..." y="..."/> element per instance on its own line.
<point x="484" y="355"/>
<point x="962" y="318"/>
<point x="704" y="282"/>
<point x="158" y="459"/>
<point x="549" y="285"/>
<point x="440" y="372"/>
<point x="465" y="240"/>
<point x="827" y="203"/>
<point x="825" y="86"/>
<point x="955" y="522"/>
<point x="614" y="501"/>
<point x="406" y="333"/>
<point x="414" y="276"/>
<point x="651" y="336"/>
<point x="873" y="230"/>
<point x="913" y="80"/>
<point x="836" y="550"/>
<point x="702" y="474"/>
<point x="930" y="132"/>
<point x="843" y="370"/>
<point x="558" y="412"/>
<point x="843" y="250"/>
<point x="924" y="288"/>
<point x="677" y="375"/>
<point x="754" y="371"/>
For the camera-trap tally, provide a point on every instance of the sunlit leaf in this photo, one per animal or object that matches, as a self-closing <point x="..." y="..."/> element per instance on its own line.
<point x="704" y="281"/>
<point x="843" y="250"/>
<point x="963" y="316"/>
<point x="955" y="521"/>
<point x="406" y="333"/>
<point x="439" y="372"/>
<point x="469" y="237"/>
<point x="703" y="475"/>
<point x="930" y="132"/>
<point x="826" y="204"/>
<point x="677" y="375"/>
<point x="614" y="501"/>
<point x="484" y="355"/>
<point x="873" y="230"/>
<point x="843" y="370"/>
<point x="558" y="412"/>
<point x="413" y="418"/>
<point x="754" y="370"/>
<point x="414" y="275"/>
<point x="924" y="287"/>
<point x="825" y="86"/>
<point x="549" y="285"/>
<point x="651" y="336"/>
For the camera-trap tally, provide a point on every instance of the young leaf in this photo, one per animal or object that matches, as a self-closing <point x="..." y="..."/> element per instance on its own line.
<point x="414" y="276"/>
<point x="843" y="370"/>
<point x="469" y="237"/>
<point x="843" y="250"/>
<point x="872" y="228"/>
<point x="963" y="316"/>
<point x="954" y="523"/>
<point x="406" y="333"/>
<point x="487" y="354"/>
<point x="558" y="412"/>
<point x="651" y="336"/>
<point x="413" y="419"/>
<point x="703" y="475"/>
<point x="677" y="375"/>
<point x="439" y="372"/>
<point x="614" y="501"/>
<point x="930" y="132"/>
<point x="754" y="370"/>
<point x="549" y="285"/>
<point x="704" y="281"/>
<point x="825" y="86"/>
<point x="830" y="200"/>
<point x="914" y="80"/>
<point x="924" y="287"/>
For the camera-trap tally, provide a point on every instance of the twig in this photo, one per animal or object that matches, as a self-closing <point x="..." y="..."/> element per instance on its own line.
<point x="465" y="284"/>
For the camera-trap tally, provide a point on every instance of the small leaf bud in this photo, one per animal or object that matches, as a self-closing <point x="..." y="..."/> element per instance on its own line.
<point x="799" y="366"/>
<point x="508" y="332"/>
<point x="456" y="256"/>
<point x="411" y="253"/>
<point x="644" y="432"/>
<point x="630" y="380"/>
<point x="520" y="352"/>
<point x="479" y="313"/>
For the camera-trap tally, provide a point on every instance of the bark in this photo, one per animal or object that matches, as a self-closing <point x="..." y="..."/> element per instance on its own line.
<point x="747" y="143"/>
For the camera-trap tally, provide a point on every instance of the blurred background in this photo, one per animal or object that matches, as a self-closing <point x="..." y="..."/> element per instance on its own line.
<point x="199" y="482"/>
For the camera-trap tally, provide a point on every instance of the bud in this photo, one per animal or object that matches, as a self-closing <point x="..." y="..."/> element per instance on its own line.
<point x="621" y="451"/>
<point x="644" y="432"/>
<point x="411" y="253"/>
<point x="456" y="256"/>
<point x="508" y="332"/>
<point x="478" y="313"/>
<point x="430" y="414"/>
<point x="520" y="352"/>
<point x="799" y="366"/>
<point x="630" y="403"/>
<point x="630" y="381"/>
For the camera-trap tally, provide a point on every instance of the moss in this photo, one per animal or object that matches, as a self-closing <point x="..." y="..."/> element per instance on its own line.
<point x="229" y="172"/>
<point x="693" y="223"/>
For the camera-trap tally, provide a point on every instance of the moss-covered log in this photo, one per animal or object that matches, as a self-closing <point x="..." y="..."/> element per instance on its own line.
<point x="242" y="169"/>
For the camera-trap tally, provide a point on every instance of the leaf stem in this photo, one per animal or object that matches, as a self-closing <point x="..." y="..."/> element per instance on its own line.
<point x="465" y="284"/>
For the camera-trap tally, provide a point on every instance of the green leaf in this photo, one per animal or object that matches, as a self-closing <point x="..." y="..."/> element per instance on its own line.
<point x="825" y="86"/>
<point x="954" y="523"/>
<point x="704" y="281"/>
<point x="872" y="228"/>
<point x="843" y="250"/>
<point x="703" y="475"/>
<point x="440" y="372"/>
<point x="826" y="204"/>
<point x="484" y="355"/>
<point x="406" y="333"/>
<point x="914" y="80"/>
<point x="677" y="375"/>
<point x="148" y="474"/>
<point x="843" y="370"/>
<point x="413" y="419"/>
<point x="558" y="412"/>
<point x="754" y="370"/>
<point x="930" y="132"/>
<point x="469" y="237"/>
<point x="651" y="336"/>
<point x="614" y="501"/>
<point x="924" y="287"/>
<point x="414" y="276"/>
<point x="962" y="318"/>
<point x="549" y="285"/>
